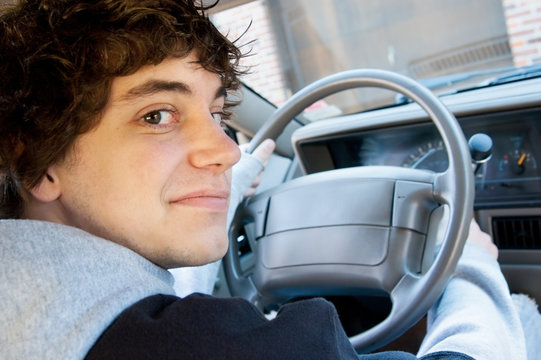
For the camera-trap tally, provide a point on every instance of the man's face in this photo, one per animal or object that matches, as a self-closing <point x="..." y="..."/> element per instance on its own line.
<point x="154" y="175"/>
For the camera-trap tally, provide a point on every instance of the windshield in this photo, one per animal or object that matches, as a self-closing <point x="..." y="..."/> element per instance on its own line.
<point x="447" y="44"/>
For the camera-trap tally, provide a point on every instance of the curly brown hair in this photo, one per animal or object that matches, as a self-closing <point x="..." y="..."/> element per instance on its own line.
<point x="58" y="59"/>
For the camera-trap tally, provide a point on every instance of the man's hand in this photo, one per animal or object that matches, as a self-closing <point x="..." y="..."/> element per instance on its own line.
<point x="262" y="153"/>
<point x="477" y="236"/>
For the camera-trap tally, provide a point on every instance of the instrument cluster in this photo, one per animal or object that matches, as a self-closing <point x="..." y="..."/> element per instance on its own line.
<point x="511" y="175"/>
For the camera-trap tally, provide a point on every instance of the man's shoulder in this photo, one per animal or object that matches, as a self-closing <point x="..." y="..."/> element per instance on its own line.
<point x="205" y="327"/>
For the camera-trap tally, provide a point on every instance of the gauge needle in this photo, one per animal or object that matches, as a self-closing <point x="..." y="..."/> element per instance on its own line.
<point x="521" y="160"/>
<point x="422" y="158"/>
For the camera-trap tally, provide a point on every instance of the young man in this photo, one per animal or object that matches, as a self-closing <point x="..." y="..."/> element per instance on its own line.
<point x="115" y="167"/>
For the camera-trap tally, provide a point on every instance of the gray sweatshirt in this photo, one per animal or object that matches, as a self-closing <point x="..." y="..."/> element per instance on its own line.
<point x="62" y="287"/>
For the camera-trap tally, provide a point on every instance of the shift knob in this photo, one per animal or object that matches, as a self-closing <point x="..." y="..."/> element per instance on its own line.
<point x="480" y="148"/>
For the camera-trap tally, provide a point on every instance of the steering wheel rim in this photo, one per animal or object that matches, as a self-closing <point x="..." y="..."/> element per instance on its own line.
<point x="454" y="188"/>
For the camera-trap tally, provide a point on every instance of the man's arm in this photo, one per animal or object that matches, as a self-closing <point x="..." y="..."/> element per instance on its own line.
<point x="475" y="315"/>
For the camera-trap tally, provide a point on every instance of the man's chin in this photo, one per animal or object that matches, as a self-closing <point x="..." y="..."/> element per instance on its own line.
<point x="218" y="252"/>
<point x="202" y="257"/>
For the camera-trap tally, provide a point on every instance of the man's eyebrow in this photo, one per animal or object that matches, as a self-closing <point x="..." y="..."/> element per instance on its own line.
<point x="155" y="86"/>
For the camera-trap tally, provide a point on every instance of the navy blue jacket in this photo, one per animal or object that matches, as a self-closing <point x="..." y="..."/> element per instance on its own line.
<point x="204" y="327"/>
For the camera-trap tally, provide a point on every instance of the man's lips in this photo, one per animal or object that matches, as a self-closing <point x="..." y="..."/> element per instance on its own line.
<point x="209" y="199"/>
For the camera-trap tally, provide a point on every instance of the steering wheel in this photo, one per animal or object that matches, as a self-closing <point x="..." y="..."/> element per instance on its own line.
<point x="361" y="230"/>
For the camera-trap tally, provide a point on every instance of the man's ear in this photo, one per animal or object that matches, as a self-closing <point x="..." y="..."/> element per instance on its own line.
<point x="48" y="188"/>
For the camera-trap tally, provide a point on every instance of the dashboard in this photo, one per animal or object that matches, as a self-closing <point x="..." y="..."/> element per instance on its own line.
<point x="510" y="177"/>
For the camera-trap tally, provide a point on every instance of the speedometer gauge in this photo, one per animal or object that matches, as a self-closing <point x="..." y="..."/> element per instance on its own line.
<point x="429" y="156"/>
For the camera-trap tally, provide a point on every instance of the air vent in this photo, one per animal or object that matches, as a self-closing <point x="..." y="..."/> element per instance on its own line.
<point x="518" y="233"/>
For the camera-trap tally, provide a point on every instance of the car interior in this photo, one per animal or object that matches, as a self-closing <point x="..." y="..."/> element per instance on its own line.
<point x="325" y="209"/>
<point x="380" y="163"/>
<point x="507" y="185"/>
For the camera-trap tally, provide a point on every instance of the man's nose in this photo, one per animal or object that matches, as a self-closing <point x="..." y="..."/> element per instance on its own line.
<point x="212" y="148"/>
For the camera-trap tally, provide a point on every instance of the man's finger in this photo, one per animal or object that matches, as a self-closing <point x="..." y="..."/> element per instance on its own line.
<point x="264" y="150"/>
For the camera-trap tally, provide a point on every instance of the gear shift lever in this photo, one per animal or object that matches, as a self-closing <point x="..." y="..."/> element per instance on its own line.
<point x="480" y="149"/>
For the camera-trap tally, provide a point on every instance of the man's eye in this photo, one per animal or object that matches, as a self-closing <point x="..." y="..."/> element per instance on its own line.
<point x="219" y="117"/>
<point x="158" y="117"/>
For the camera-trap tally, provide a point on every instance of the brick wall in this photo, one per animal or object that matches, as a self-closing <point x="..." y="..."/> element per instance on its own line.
<point x="264" y="62"/>
<point x="523" y="18"/>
